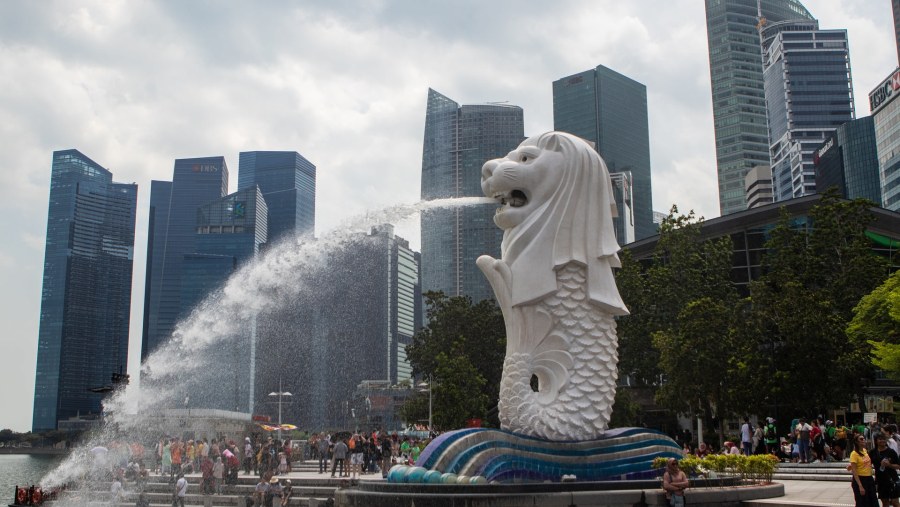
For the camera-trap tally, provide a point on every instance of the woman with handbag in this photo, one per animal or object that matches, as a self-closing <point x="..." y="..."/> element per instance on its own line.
<point x="887" y="463"/>
<point x="674" y="483"/>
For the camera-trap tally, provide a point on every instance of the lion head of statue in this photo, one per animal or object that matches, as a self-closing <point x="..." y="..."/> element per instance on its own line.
<point x="556" y="207"/>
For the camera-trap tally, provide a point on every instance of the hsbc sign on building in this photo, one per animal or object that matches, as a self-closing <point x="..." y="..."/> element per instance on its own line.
<point x="885" y="92"/>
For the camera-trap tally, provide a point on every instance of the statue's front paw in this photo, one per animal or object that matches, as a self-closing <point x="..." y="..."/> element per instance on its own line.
<point x="485" y="263"/>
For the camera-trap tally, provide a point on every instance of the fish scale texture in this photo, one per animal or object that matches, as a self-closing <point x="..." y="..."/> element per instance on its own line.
<point x="581" y="409"/>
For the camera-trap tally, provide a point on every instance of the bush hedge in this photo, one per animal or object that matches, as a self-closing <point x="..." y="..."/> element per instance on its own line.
<point x="758" y="468"/>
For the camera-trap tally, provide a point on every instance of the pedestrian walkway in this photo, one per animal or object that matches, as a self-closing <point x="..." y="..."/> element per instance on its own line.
<point x="824" y="493"/>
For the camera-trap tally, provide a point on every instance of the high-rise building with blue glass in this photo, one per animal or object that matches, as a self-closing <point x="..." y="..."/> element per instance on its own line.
<point x="229" y="232"/>
<point x="172" y="236"/>
<point x="738" y="97"/>
<point x="86" y="294"/>
<point x="809" y="93"/>
<point x="610" y="110"/>
<point x="458" y="141"/>
<point x="848" y="161"/>
<point x="288" y="184"/>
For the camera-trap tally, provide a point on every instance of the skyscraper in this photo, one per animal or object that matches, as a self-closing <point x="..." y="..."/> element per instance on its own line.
<point x="610" y="110"/>
<point x="172" y="235"/>
<point x="886" y="116"/>
<point x="806" y="76"/>
<point x="622" y="193"/>
<point x="350" y="322"/>
<point x="739" y="107"/>
<point x="288" y="185"/>
<point x="229" y="232"/>
<point x="848" y="160"/>
<point x="458" y="141"/>
<point x="86" y="295"/>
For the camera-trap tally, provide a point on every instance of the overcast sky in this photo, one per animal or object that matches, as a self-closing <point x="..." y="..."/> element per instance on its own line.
<point x="137" y="84"/>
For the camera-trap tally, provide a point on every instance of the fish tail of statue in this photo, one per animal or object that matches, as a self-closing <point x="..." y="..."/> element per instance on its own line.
<point x="574" y="362"/>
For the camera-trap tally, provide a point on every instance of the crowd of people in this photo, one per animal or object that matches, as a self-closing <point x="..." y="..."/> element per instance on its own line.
<point x="372" y="453"/>
<point x="872" y="452"/>
<point x="220" y="460"/>
<point x="807" y="441"/>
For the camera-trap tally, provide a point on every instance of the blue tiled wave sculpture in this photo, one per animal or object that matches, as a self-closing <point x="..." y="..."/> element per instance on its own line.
<point x="480" y="455"/>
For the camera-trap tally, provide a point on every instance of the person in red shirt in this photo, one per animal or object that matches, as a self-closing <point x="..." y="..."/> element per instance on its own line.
<point x="818" y="440"/>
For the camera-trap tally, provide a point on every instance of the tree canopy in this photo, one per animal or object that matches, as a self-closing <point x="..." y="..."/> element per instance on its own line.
<point x="462" y="349"/>
<point x="814" y="273"/>
<point x="679" y="336"/>
<point x="876" y="321"/>
<point x="710" y="352"/>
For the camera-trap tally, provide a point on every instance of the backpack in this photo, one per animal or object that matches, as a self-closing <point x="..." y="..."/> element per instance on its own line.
<point x="840" y="434"/>
<point x="770" y="432"/>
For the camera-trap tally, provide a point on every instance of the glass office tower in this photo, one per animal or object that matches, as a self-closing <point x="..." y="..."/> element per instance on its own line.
<point x="886" y="113"/>
<point x="806" y="76"/>
<point x="229" y="232"/>
<point x="739" y="107"/>
<point x="288" y="185"/>
<point x="610" y="110"/>
<point x="848" y="160"/>
<point x="172" y="235"/>
<point x="458" y="141"/>
<point x="86" y="295"/>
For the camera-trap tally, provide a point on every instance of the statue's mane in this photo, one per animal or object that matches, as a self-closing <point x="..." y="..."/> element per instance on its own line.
<point x="574" y="225"/>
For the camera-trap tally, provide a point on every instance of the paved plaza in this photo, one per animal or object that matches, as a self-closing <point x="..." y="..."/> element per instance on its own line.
<point x="797" y="492"/>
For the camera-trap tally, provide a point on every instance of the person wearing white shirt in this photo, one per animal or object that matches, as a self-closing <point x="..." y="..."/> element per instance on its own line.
<point x="746" y="437"/>
<point x="181" y="486"/>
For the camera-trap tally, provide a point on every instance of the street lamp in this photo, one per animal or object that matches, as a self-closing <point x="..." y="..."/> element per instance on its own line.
<point x="426" y="386"/>
<point x="280" y="393"/>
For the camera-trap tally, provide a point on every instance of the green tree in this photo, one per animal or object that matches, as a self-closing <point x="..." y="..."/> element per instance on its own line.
<point x="681" y="333"/>
<point x="462" y="348"/>
<point x="876" y="321"/>
<point x="814" y="273"/>
<point x="698" y="356"/>
<point x="625" y="410"/>
<point x="683" y="269"/>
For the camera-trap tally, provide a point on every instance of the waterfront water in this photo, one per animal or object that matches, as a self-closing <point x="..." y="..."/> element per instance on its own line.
<point x="23" y="469"/>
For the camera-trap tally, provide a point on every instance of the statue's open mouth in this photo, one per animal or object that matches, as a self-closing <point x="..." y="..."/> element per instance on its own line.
<point x="515" y="198"/>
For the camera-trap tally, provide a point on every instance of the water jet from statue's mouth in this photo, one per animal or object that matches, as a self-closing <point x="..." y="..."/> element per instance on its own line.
<point x="515" y="198"/>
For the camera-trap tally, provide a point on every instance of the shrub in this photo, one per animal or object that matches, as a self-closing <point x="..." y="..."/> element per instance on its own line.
<point x="758" y="468"/>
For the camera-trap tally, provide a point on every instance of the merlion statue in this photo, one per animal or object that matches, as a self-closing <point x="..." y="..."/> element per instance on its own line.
<point x="555" y="286"/>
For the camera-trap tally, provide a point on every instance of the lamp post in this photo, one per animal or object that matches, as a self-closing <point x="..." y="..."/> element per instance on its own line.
<point x="280" y="393"/>
<point x="427" y="386"/>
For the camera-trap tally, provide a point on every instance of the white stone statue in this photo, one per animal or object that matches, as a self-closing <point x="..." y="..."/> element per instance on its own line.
<point x="555" y="286"/>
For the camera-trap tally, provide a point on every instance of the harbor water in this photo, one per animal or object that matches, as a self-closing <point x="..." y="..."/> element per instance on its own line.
<point x="23" y="469"/>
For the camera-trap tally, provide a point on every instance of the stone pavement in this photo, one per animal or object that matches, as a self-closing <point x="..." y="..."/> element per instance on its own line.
<point x="824" y="493"/>
<point x="829" y="493"/>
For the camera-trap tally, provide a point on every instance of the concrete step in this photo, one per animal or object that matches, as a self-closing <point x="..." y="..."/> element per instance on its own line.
<point x="833" y="471"/>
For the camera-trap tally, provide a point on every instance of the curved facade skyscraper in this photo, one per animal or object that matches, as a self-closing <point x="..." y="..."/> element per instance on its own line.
<point x="739" y="103"/>
<point x="458" y="141"/>
<point x="86" y="295"/>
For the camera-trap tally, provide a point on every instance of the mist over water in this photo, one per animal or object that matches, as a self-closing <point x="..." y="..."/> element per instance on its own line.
<point x="191" y="361"/>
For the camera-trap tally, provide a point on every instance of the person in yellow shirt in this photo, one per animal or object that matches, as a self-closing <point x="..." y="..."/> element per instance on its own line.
<point x="863" y="476"/>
